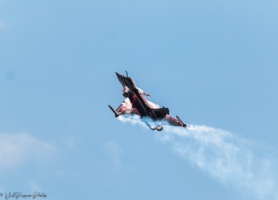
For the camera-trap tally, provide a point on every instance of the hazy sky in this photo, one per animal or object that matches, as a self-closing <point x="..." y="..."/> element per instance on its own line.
<point x="213" y="63"/>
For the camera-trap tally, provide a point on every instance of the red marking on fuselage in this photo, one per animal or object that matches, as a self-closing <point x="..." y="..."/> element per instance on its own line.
<point x="136" y="111"/>
<point x="134" y="98"/>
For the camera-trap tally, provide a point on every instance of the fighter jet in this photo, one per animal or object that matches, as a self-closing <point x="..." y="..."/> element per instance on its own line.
<point x="135" y="103"/>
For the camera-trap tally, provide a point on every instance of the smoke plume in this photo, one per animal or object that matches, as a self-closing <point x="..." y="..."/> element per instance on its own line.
<point x="243" y="164"/>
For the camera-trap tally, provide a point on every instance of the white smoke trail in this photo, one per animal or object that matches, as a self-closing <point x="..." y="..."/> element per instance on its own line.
<point x="133" y="119"/>
<point x="233" y="161"/>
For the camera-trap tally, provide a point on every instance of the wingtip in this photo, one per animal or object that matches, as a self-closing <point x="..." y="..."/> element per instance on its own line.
<point x="183" y="124"/>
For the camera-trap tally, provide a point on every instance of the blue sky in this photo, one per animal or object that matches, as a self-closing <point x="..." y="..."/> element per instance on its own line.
<point x="212" y="63"/>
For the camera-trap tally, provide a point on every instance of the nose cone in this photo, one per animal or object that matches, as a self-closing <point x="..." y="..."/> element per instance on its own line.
<point x="118" y="75"/>
<point x="120" y="78"/>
